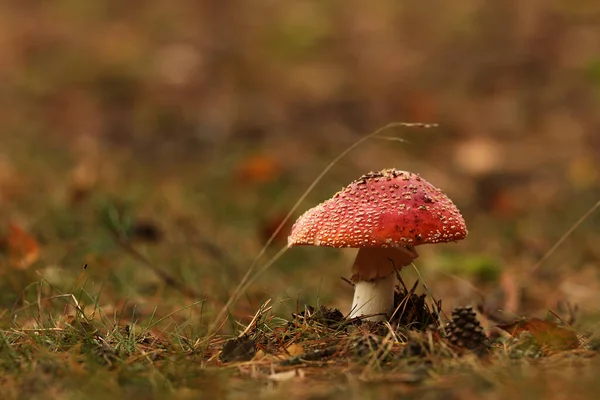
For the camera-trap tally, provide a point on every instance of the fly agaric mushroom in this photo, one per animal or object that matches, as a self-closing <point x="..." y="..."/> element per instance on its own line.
<point x="384" y="214"/>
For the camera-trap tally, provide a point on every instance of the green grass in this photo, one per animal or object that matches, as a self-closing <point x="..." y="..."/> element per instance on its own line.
<point x="126" y="302"/>
<point x="65" y="346"/>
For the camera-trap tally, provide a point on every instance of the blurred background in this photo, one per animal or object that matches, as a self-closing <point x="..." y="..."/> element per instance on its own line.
<point x="162" y="143"/>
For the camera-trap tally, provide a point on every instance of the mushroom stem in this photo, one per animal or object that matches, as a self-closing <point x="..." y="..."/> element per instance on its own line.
<point x="374" y="297"/>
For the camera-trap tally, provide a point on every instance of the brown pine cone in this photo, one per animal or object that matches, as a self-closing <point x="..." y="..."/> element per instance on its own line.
<point x="465" y="331"/>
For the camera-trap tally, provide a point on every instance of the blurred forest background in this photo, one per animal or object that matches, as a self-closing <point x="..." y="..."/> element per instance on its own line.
<point x="190" y="128"/>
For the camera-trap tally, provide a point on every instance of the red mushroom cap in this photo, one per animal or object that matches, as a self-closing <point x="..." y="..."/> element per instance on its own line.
<point x="390" y="208"/>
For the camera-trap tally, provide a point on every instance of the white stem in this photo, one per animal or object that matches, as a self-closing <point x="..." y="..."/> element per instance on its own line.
<point x="374" y="297"/>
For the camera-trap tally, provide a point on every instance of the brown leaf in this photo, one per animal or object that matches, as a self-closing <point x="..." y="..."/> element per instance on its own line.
<point x="22" y="248"/>
<point x="546" y="333"/>
<point x="291" y="351"/>
<point x="258" y="169"/>
<point x="294" y="349"/>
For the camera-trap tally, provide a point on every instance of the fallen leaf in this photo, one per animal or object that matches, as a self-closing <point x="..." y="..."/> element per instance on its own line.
<point x="547" y="334"/>
<point x="22" y="248"/>
<point x="294" y="349"/>
<point x="258" y="169"/>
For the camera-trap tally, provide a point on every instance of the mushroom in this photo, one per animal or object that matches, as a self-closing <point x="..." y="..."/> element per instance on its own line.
<point x="384" y="214"/>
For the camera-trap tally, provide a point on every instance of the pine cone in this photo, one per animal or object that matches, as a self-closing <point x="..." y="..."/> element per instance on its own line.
<point x="465" y="331"/>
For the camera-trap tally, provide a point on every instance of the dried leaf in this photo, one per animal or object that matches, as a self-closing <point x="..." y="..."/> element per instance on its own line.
<point x="313" y="355"/>
<point x="291" y="351"/>
<point x="258" y="169"/>
<point x="22" y="248"/>
<point x="294" y="349"/>
<point x="547" y="334"/>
